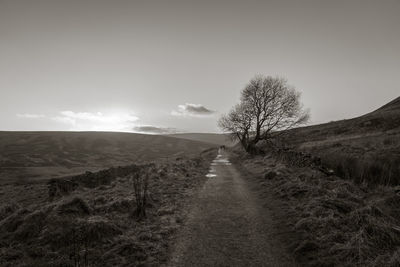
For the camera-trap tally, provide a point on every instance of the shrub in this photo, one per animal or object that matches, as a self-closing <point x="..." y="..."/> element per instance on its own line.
<point x="140" y="182"/>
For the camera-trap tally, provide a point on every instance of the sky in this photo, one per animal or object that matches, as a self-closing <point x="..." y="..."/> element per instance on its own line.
<point x="176" y="66"/>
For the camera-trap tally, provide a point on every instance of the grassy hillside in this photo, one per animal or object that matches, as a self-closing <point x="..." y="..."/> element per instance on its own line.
<point x="365" y="148"/>
<point x="27" y="156"/>
<point x="383" y="120"/>
<point x="218" y="139"/>
<point x="340" y="218"/>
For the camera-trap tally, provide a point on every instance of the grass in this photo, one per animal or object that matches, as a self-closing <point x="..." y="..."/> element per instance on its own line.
<point x="372" y="170"/>
<point x="349" y="216"/>
<point x="365" y="149"/>
<point x="330" y="221"/>
<point x="373" y="159"/>
<point x="89" y="220"/>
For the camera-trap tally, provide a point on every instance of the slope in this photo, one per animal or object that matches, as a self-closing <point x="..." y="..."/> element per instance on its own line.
<point x="213" y="138"/>
<point x="31" y="155"/>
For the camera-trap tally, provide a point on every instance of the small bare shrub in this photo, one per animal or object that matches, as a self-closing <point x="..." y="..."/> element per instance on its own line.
<point x="140" y="182"/>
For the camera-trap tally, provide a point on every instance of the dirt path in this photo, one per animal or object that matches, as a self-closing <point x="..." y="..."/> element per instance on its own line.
<point x="228" y="225"/>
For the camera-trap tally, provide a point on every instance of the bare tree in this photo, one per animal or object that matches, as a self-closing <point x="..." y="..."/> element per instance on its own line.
<point x="267" y="104"/>
<point x="238" y="122"/>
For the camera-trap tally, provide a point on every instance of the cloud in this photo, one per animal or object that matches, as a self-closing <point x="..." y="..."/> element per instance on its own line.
<point x="193" y="110"/>
<point x="87" y="121"/>
<point x="30" y="116"/>
<point x="154" y="130"/>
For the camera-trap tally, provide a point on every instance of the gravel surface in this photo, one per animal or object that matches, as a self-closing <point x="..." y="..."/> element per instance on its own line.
<point x="228" y="226"/>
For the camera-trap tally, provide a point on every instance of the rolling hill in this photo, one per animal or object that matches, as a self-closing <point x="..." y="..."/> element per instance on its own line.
<point x="365" y="148"/>
<point x="39" y="155"/>
<point x="385" y="120"/>
<point x="212" y="138"/>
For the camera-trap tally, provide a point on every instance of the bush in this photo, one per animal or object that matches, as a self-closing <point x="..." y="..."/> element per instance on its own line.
<point x="140" y="182"/>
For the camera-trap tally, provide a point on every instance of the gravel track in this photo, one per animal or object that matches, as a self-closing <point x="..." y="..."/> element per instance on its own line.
<point x="228" y="225"/>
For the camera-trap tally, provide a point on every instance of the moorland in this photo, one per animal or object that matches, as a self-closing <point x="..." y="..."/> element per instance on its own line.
<point x="333" y="189"/>
<point x="330" y="192"/>
<point x="31" y="156"/>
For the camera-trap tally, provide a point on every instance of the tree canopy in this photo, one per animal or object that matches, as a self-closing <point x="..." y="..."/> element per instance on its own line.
<point x="267" y="104"/>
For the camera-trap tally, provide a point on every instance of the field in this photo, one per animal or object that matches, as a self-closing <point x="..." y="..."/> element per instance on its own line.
<point x="90" y="220"/>
<point x="32" y="156"/>
<point x="68" y="198"/>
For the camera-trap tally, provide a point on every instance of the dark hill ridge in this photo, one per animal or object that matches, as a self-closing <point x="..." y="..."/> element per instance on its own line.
<point x="52" y="154"/>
